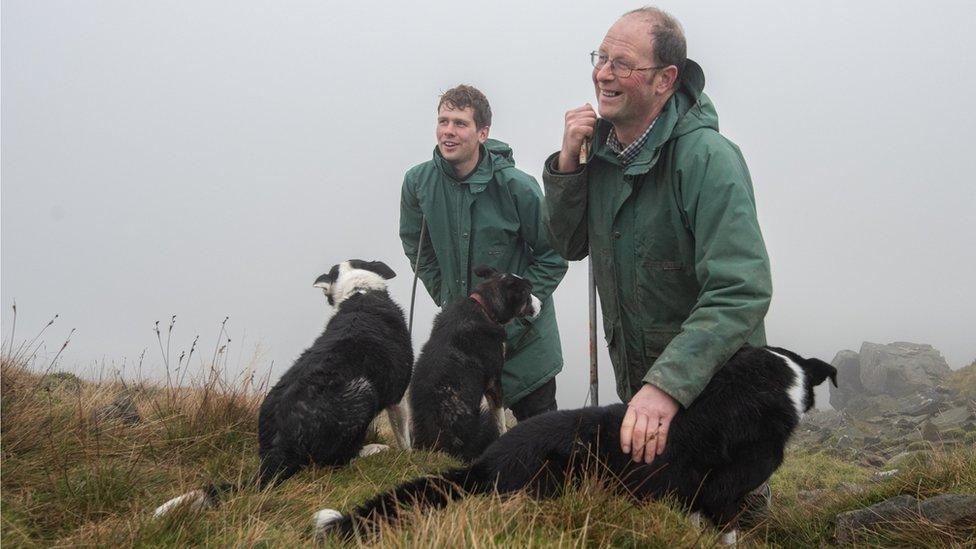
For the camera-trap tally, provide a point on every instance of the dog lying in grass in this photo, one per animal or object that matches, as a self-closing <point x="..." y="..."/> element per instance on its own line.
<point x="462" y="363"/>
<point x="727" y="443"/>
<point x="319" y="411"/>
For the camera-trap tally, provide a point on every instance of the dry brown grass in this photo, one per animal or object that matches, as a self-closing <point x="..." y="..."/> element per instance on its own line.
<point x="71" y="479"/>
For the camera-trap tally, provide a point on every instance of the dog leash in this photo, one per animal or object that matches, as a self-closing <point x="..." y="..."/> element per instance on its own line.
<point x="416" y="272"/>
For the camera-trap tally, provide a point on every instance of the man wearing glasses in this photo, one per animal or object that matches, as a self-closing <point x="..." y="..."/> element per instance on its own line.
<point x="479" y="209"/>
<point x="664" y="208"/>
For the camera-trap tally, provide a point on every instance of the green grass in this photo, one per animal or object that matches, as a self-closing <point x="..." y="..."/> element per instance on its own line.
<point x="70" y="480"/>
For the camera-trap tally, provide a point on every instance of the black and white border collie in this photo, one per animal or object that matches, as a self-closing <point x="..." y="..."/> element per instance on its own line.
<point x="726" y="444"/>
<point x="320" y="409"/>
<point x="462" y="363"/>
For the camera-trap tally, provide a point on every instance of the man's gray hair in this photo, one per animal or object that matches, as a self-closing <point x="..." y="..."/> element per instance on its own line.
<point x="668" y="37"/>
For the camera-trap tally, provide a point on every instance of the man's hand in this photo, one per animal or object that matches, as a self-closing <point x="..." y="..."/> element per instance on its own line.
<point x="644" y="431"/>
<point x="580" y="123"/>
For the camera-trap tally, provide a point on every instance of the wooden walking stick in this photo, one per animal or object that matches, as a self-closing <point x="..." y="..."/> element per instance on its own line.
<point x="594" y="372"/>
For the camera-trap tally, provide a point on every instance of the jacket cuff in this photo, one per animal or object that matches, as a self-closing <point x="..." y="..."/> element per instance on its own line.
<point x="552" y="167"/>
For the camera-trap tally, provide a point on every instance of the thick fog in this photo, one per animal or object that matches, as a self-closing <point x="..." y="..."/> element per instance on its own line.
<point x="211" y="159"/>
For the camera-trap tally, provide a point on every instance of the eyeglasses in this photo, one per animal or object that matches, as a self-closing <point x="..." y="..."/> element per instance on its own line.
<point x="620" y="69"/>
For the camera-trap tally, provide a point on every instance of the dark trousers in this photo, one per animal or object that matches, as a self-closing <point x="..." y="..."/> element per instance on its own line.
<point x="537" y="402"/>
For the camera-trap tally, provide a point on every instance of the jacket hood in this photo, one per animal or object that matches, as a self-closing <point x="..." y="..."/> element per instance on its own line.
<point x="693" y="108"/>
<point x="495" y="155"/>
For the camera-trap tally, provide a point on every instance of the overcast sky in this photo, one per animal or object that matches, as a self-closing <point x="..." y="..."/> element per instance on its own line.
<point x="211" y="159"/>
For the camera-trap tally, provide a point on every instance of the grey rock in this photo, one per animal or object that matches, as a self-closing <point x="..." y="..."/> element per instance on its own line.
<point x="60" y="381"/>
<point x="900" y="368"/>
<point x="852" y="524"/>
<point x="905" y="423"/>
<point x="845" y="442"/>
<point x="930" y="432"/>
<point x="952" y="510"/>
<point x="909" y="458"/>
<point x="873" y="460"/>
<point x="921" y="404"/>
<point x="957" y="511"/>
<point x="122" y="409"/>
<point x="952" y="418"/>
<point x="848" y="364"/>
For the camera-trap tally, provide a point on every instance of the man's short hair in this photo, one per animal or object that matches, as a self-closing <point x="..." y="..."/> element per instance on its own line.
<point x="668" y="37"/>
<point x="464" y="96"/>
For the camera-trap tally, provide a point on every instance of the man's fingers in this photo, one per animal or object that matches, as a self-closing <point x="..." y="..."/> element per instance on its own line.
<point x="640" y="437"/>
<point x="582" y="132"/>
<point x="652" y="439"/>
<point x="662" y="437"/>
<point x="627" y="430"/>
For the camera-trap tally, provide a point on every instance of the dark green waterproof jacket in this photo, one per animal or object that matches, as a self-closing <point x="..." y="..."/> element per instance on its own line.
<point x="493" y="217"/>
<point x="680" y="264"/>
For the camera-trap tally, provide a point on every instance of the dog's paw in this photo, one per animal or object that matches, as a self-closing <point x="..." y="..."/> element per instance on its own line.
<point x="371" y="449"/>
<point x="324" y="520"/>
<point x="536" y="307"/>
<point x="194" y="501"/>
<point x="729" y="539"/>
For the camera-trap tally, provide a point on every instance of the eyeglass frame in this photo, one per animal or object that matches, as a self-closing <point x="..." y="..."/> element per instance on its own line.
<point x="595" y="56"/>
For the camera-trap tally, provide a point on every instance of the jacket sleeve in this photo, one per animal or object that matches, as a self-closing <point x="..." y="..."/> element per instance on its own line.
<point x="565" y="210"/>
<point x="547" y="268"/>
<point x="731" y="266"/>
<point x="411" y="217"/>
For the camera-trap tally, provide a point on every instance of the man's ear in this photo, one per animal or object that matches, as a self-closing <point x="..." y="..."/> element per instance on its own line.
<point x="667" y="79"/>
<point x="483" y="133"/>
<point x="484" y="271"/>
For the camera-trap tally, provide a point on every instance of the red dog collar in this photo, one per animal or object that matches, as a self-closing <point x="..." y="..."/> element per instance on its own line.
<point x="481" y="301"/>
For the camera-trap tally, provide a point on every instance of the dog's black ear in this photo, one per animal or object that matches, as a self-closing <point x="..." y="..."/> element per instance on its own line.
<point x="819" y="370"/>
<point x="377" y="267"/>
<point x="484" y="271"/>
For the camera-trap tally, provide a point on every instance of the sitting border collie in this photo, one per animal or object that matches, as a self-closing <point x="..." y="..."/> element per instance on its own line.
<point x="462" y="362"/>
<point x="727" y="443"/>
<point x="320" y="409"/>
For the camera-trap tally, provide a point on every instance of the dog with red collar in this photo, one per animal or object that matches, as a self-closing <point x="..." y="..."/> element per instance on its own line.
<point x="455" y="392"/>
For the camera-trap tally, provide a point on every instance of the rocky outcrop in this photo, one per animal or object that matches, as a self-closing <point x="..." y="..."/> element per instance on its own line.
<point x="891" y="399"/>
<point x="900" y="369"/>
<point x="896" y="370"/>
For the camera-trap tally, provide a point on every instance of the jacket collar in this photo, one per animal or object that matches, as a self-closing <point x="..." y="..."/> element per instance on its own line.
<point x="479" y="179"/>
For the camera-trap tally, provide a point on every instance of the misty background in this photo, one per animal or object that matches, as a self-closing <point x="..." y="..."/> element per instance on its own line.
<point x="211" y="159"/>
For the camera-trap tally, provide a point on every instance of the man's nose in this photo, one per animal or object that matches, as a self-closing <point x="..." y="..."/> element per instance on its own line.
<point x="604" y="72"/>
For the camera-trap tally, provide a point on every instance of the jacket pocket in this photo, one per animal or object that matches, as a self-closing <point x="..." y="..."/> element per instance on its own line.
<point x="671" y="286"/>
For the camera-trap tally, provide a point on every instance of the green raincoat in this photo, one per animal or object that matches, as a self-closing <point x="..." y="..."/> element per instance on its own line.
<point x="491" y="218"/>
<point x="680" y="263"/>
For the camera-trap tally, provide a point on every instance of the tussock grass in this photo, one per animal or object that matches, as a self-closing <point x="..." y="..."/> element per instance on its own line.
<point x="70" y="478"/>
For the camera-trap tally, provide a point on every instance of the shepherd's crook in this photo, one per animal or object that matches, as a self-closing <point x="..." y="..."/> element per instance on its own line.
<point x="594" y="373"/>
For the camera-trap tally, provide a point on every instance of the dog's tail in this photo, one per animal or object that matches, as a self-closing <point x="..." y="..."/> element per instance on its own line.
<point x="432" y="491"/>
<point x="204" y="498"/>
<point x="487" y="433"/>
<point x="275" y="469"/>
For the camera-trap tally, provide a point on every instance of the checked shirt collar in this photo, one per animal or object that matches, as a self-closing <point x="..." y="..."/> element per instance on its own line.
<point x="628" y="153"/>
